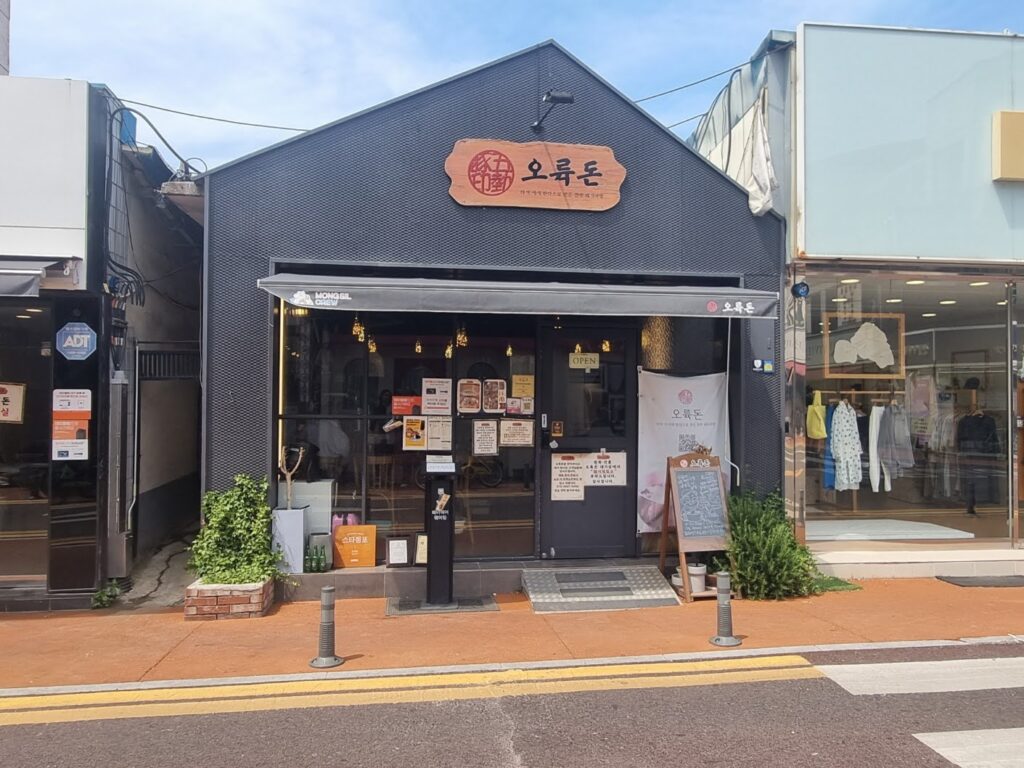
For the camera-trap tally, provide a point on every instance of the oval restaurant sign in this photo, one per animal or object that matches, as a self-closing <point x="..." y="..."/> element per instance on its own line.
<point x="538" y="174"/>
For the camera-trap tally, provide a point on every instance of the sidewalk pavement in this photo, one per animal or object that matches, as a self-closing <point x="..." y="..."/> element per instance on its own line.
<point x="123" y="645"/>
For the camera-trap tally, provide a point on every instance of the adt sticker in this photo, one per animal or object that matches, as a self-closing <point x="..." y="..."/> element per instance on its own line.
<point x="76" y="341"/>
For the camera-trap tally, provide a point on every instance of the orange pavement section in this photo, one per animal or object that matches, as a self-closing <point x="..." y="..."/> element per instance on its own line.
<point x="122" y="645"/>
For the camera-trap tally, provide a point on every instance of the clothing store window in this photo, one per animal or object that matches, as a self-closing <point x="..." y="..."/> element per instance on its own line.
<point x="908" y="375"/>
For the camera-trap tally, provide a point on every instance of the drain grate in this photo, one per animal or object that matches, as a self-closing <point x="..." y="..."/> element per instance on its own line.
<point x="402" y="606"/>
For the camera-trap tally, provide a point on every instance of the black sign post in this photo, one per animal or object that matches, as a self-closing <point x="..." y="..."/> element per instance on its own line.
<point x="440" y="527"/>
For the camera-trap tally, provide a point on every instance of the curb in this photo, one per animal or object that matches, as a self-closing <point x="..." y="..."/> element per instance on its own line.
<point x="524" y="665"/>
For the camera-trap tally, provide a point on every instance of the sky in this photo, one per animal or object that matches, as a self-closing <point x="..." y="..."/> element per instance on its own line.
<point x="303" y="63"/>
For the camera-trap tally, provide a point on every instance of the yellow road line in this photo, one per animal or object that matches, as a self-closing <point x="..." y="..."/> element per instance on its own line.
<point x="379" y="684"/>
<point x="526" y="688"/>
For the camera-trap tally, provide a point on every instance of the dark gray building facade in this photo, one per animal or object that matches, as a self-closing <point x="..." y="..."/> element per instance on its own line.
<point x="366" y="200"/>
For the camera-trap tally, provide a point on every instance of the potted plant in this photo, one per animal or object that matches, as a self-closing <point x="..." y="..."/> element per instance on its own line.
<point x="233" y="555"/>
<point x="289" y="523"/>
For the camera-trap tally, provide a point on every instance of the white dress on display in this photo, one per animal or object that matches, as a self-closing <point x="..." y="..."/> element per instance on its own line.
<point x="846" y="448"/>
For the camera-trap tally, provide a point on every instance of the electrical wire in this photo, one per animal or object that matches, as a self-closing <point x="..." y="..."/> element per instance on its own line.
<point x="695" y="117"/>
<point x="215" y="119"/>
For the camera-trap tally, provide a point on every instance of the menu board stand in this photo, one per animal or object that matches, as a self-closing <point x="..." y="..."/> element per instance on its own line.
<point x="695" y="496"/>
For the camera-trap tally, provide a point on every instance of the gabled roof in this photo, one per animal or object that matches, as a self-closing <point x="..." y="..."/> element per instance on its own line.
<point x="524" y="52"/>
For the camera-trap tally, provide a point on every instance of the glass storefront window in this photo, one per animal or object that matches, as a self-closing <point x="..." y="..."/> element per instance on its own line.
<point x="369" y="385"/>
<point x="911" y="372"/>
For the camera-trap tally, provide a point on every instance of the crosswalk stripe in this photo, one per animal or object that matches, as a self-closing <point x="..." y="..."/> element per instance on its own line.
<point x="995" y="748"/>
<point x="927" y="676"/>
<point x="400" y="696"/>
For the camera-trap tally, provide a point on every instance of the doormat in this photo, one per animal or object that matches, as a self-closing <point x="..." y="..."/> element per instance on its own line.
<point x="983" y="581"/>
<point x="560" y="590"/>
<point x="402" y="606"/>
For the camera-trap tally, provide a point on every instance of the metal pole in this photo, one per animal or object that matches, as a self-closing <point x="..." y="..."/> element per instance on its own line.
<point x="724" y="636"/>
<point x="326" y="658"/>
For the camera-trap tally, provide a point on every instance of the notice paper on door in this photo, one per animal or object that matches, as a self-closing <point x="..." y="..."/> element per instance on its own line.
<point x="603" y="468"/>
<point x="439" y="433"/>
<point x="566" y="477"/>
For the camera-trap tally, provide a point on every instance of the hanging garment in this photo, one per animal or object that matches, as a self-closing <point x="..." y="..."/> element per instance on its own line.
<point x="829" y="479"/>
<point x="816" y="429"/>
<point x="896" y="452"/>
<point x="846" y="448"/>
<point x="922" y="406"/>
<point x="875" y="466"/>
<point x="977" y="440"/>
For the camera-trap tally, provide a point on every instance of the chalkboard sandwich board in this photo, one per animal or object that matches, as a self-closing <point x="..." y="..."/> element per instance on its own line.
<point x="695" y="498"/>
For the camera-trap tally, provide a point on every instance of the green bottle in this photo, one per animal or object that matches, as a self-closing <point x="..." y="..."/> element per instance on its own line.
<point x="307" y="563"/>
<point x="319" y="559"/>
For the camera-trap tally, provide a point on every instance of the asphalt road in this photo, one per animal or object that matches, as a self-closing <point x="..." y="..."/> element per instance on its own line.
<point x="787" y="722"/>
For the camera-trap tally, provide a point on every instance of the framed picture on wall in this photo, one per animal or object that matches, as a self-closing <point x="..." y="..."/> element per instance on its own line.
<point x="867" y="345"/>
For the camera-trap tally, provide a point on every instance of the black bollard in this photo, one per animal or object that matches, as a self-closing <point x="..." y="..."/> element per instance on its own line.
<point x="724" y="636"/>
<point x="326" y="659"/>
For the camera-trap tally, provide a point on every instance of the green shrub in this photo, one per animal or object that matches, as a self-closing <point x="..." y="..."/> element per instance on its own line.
<point x="106" y="596"/>
<point x="234" y="545"/>
<point x="767" y="562"/>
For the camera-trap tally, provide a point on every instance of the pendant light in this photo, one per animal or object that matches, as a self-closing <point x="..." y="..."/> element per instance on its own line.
<point x="578" y="349"/>
<point x="448" y="350"/>
<point x="357" y="327"/>
<point x="418" y="347"/>
<point x="508" y="351"/>
<point x="371" y="345"/>
<point x="461" y="337"/>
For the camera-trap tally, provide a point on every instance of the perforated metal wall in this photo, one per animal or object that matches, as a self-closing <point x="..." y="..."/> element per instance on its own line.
<point x="372" y="190"/>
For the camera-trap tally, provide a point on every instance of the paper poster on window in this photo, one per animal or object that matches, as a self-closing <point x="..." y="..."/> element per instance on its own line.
<point x="437" y="397"/>
<point x="527" y="406"/>
<point x="566" y="477"/>
<point x="439" y="433"/>
<point x="514" y="406"/>
<point x="72" y="403"/>
<point x="604" y="468"/>
<point x="70" y="439"/>
<point x="485" y="437"/>
<point x="494" y="396"/>
<point x="516" y="433"/>
<point x="469" y="395"/>
<point x="414" y="433"/>
<point x="405" y="405"/>
<point x="12" y="403"/>
<point x="522" y="385"/>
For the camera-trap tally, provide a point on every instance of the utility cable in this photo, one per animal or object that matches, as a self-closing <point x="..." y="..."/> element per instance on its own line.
<point x="215" y="119"/>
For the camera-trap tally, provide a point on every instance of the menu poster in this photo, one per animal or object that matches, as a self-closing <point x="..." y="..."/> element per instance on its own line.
<point x="414" y="433"/>
<point x="516" y="433"/>
<point x="405" y="405"/>
<point x="604" y="468"/>
<point x="566" y="477"/>
<point x="522" y="385"/>
<point x="439" y="433"/>
<point x="485" y="437"/>
<point x="514" y="405"/>
<point x="494" y="396"/>
<point x="437" y="397"/>
<point x="469" y="395"/>
<point x="527" y="406"/>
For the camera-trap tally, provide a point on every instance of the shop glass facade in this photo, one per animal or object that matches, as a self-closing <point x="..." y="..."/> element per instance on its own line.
<point x="913" y="373"/>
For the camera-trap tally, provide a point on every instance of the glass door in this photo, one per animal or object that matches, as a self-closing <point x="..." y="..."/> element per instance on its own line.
<point x="588" y="407"/>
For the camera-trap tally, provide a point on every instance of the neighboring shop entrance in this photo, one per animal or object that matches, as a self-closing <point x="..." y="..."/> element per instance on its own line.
<point x="588" y="406"/>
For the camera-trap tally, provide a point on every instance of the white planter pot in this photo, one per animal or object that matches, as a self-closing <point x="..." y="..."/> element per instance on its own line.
<point x="698" y="577"/>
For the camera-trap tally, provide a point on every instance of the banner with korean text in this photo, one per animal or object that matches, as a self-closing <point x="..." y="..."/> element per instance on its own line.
<point x="677" y="415"/>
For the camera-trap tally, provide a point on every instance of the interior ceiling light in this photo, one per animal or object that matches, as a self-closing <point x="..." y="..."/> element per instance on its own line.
<point x="978" y="284"/>
<point x="24" y="317"/>
<point x="947" y="302"/>
<point x="34" y="310"/>
<point x="1001" y="303"/>
<point x="915" y="282"/>
<point x="606" y="345"/>
<point x="508" y="351"/>
<point x="893" y="301"/>
<point x="928" y="314"/>
<point x="578" y="349"/>
<point x="418" y="347"/>
<point x="839" y="300"/>
<point x="850" y="280"/>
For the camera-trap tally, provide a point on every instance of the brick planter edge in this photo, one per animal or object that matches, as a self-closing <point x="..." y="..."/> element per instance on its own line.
<point x="206" y="602"/>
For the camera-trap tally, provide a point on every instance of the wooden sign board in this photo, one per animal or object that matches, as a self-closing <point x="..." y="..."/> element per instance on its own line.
<point x="537" y="174"/>
<point x="355" y="546"/>
<point x="695" y="497"/>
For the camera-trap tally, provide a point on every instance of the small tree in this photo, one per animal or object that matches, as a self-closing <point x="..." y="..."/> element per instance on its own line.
<point x="767" y="562"/>
<point x="234" y="545"/>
